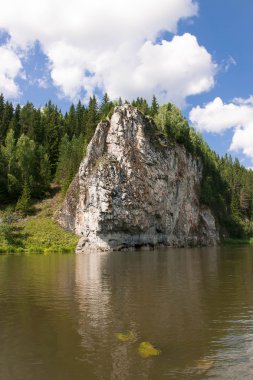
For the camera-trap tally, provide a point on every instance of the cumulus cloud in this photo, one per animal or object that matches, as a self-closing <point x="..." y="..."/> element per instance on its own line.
<point x="218" y="117"/>
<point x="10" y="68"/>
<point x="111" y="45"/>
<point x="174" y="69"/>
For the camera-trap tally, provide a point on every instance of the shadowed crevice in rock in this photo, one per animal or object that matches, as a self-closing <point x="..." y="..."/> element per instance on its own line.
<point x="133" y="189"/>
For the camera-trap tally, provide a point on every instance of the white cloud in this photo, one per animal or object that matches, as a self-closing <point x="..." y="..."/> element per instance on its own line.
<point x="218" y="117"/>
<point x="243" y="139"/>
<point x="42" y="82"/>
<point x="225" y="66"/>
<point x="241" y="101"/>
<point x="174" y="69"/>
<point x="110" y="44"/>
<point x="10" y="68"/>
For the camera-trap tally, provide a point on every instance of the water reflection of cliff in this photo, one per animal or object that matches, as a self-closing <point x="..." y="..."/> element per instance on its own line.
<point x="59" y="314"/>
<point x="92" y="292"/>
<point x="162" y="297"/>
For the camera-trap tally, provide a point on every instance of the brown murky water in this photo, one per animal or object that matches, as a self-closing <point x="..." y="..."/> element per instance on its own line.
<point x="59" y="315"/>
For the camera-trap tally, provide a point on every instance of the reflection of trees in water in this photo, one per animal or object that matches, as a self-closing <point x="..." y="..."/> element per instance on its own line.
<point x="35" y="317"/>
<point x="181" y="300"/>
<point x="158" y="296"/>
<point x="62" y="312"/>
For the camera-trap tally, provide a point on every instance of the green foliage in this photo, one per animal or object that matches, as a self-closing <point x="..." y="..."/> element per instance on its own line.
<point x="232" y="241"/>
<point x="92" y="119"/>
<point x="7" y="114"/>
<point x="71" y="121"/>
<point x="5" y="226"/>
<point x="52" y="122"/>
<point x="170" y="121"/>
<point x="154" y="107"/>
<point x="47" y="234"/>
<point x="9" y="161"/>
<point x="81" y="119"/>
<point x="226" y="186"/>
<point x="142" y="105"/>
<point x="24" y="201"/>
<point x="70" y="155"/>
<point x="25" y="154"/>
<point x="105" y="107"/>
<point x="27" y="121"/>
<point x="42" y="175"/>
<point x="39" y="145"/>
<point x="37" y="233"/>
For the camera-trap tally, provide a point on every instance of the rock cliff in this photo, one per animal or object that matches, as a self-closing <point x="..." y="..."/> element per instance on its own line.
<point x="133" y="189"/>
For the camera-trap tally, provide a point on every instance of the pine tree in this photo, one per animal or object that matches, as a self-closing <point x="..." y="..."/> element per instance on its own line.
<point x="154" y="107"/>
<point x="27" y="120"/>
<point x="70" y="156"/>
<point x="42" y="175"/>
<point x="6" y="119"/>
<point x="105" y="107"/>
<point x="26" y="160"/>
<point x="92" y="118"/>
<point x="39" y="133"/>
<point x="142" y="105"/>
<point x="3" y="179"/>
<point x="2" y="102"/>
<point x="24" y="201"/>
<point x="15" y="124"/>
<point x="80" y="119"/>
<point x="62" y="170"/>
<point x="51" y="120"/>
<point x="71" y="122"/>
<point x="9" y="157"/>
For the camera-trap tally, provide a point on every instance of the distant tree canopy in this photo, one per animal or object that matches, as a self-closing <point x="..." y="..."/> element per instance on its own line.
<point x="40" y="146"/>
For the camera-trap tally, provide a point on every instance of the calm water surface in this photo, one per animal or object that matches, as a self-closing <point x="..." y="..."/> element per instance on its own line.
<point x="59" y="315"/>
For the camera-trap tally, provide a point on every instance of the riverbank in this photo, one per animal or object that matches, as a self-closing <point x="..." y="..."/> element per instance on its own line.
<point x="232" y="241"/>
<point x="37" y="232"/>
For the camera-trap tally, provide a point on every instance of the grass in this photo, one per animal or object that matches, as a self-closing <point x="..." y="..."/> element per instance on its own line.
<point x="38" y="232"/>
<point x="232" y="241"/>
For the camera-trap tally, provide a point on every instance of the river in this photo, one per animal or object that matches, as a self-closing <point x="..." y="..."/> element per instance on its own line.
<point x="60" y="315"/>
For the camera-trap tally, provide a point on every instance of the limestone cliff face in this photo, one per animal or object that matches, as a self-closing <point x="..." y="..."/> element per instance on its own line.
<point x="133" y="190"/>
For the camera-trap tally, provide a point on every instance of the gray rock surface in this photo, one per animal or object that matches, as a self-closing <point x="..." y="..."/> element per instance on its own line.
<point x="134" y="190"/>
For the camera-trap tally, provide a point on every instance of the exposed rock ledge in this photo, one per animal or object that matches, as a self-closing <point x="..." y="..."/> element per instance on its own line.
<point x="134" y="190"/>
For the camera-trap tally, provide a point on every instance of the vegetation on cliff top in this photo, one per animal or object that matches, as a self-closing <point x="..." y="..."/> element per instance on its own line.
<point x="41" y="146"/>
<point x="226" y="187"/>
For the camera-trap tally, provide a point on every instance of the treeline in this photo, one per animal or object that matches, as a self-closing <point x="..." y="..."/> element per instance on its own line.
<point x="41" y="146"/>
<point x="38" y="146"/>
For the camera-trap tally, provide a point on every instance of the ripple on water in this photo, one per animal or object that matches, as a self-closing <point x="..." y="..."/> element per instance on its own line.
<point x="59" y="315"/>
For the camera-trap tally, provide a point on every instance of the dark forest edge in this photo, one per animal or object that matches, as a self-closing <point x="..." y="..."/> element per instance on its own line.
<point x="39" y="147"/>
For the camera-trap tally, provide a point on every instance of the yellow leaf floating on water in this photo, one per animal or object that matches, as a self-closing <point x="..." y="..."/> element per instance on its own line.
<point x="146" y="349"/>
<point x="204" y="365"/>
<point x="129" y="336"/>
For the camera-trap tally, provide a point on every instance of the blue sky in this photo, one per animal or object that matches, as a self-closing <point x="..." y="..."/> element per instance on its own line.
<point x="197" y="54"/>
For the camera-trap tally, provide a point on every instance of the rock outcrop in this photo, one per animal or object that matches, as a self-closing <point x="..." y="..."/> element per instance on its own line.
<point x="133" y="189"/>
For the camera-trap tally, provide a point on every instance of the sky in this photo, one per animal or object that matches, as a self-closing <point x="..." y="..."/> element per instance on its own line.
<point x="196" y="54"/>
